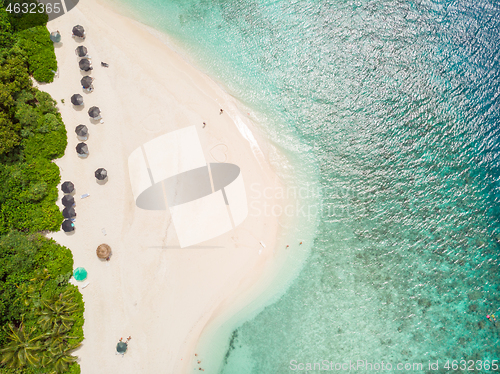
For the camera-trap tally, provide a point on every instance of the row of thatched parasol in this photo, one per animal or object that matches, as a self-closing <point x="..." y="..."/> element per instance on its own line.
<point x="81" y="130"/>
<point x="94" y="112"/>
<point x="68" y="201"/>
<point x="85" y="65"/>
<point x="82" y="52"/>
<point x="103" y="251"/>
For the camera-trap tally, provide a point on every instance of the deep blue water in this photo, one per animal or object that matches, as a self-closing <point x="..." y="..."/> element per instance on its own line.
<point x="397" y="105"/>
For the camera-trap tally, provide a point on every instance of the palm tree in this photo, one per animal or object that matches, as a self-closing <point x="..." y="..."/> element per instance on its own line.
<point x="22" y="350"/>
<point x="58" y="311"/>
<point x="56" y="319"/>
<point x="57" y="337"/>
<point x="30" y="292"/>
<point x="59" y="358"/>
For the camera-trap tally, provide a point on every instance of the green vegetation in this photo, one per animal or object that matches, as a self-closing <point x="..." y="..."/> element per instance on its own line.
<point x="41" y="314"/>
<point x="40" y="53"/>
<point x="31" y="135"/>
<point x="34" y="39"/>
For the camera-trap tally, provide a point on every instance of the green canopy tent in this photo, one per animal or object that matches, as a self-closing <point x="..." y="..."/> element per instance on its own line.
<point x="55" y="37"/>
<point x="121" y="347"/>
<point x="80" y="274"/>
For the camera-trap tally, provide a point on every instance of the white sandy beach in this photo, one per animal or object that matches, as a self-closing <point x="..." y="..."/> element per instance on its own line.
<point x="151" y="289"/>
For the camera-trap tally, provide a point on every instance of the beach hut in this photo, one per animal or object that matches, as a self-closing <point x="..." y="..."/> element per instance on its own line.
<point x="82" y="132"/>
<point x="81" y="51"/>
<point x="103" y="251"/>
<point x="68" y="226"/>
<point x="80" y="274"/>
<point x="55" y="36"/>
<point x="121" y="347"/>
<point x="67" y="187"/>
<point x="85" y="64"/>
<point x="79" y="31"/>
<point x="86" y="82"/>
<point x="101" y="174"/>
<point x="69" y="212"/>
<point x="77" y="99"/>
<point x="94" y="113"/>
<point x="82" y="149"/>
<point x="68" y="200"/>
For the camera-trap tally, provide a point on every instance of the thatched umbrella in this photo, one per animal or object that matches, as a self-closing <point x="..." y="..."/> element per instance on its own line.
<point x="79" y="31"/>
<point x="67" y="187"/>
<point x="94" y="112"/>
<point x="82" y="149"/>
<point x="77" y="99"/>
<point x="82" y="132"/>
<point x="68" y="200"/>
<point x="121" y="347"/>
<point x="101" y="174"/>
<point x="86" y="81"/>
<point x="81" y="51"/>
<point x="68" y="226"/>
<point x="69" y="212"/>
<point x="103" y="251"/>
<point x="85" y="64"/>
<point x="55" y="37"/>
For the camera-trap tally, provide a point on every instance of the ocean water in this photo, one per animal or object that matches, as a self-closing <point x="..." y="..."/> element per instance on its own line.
<point x="393" y="107"/>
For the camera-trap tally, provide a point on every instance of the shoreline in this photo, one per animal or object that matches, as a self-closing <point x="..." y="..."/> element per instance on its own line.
<point x="277" y="276"/>
<point x="122" y="295"/>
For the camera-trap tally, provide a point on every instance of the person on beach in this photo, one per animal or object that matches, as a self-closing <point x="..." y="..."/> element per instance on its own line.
<point x="204" y="124"/>
<point x="221" y="111"/>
